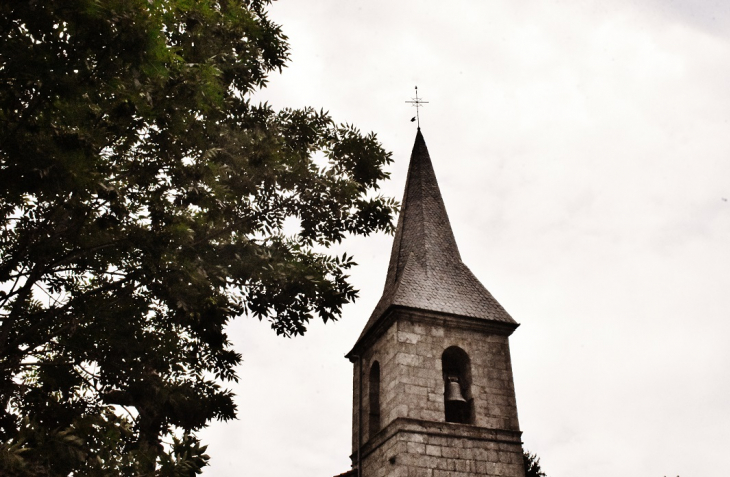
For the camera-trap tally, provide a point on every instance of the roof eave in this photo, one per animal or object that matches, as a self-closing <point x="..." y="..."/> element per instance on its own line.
<point x="451" y="320"/>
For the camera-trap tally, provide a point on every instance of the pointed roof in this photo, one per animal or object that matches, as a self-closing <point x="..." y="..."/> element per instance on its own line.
<point x="425" y="270"/>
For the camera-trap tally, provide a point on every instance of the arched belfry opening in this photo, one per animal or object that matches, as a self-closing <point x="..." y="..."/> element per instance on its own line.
<point x="374" y="399"/>
<point x="458" y="402"/>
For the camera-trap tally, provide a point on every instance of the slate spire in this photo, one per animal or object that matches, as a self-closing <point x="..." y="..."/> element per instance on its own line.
<point x="425" y="270"/>
<point x="423" y="233"/>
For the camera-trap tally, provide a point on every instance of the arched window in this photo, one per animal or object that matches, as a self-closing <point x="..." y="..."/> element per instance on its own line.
<point x="374" y="401"/>
<point x="458" y="402"/>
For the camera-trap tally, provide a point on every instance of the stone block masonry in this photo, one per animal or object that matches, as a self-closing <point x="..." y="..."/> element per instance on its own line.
<point x="413" y="438"/>
<point x="413" y="448"/>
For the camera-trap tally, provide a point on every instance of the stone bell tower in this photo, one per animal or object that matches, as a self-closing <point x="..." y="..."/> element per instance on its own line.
<point x="433" y="388"/>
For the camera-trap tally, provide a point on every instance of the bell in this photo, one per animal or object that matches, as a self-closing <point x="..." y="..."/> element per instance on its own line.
<point x="453" y="390"/>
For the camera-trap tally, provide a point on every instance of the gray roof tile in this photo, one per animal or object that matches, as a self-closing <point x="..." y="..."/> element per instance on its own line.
<point x="425" y="270"/>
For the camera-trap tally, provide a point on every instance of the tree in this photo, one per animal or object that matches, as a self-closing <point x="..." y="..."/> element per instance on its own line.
<point x="142" y="203"/>
<point x="532" y="465"/>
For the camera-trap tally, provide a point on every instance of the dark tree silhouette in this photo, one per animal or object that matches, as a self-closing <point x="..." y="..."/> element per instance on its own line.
<point x="142" y="203"/>
<point x="532" y="465"/>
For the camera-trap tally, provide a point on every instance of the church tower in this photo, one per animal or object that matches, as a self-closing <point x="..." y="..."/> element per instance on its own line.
<point x="433" y="388"/>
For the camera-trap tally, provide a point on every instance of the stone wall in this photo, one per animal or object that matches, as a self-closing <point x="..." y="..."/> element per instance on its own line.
<point x="413" y="448"/>
<point x="411" y="392"/>
<point x="384" y="351"/>
<point x="417" y="389"/>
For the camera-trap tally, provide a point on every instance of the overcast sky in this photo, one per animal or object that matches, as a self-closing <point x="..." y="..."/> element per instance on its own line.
<point x="583" y="153"/>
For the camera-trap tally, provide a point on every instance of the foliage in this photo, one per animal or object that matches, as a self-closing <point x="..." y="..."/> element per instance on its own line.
<point x="142" y="206"/>
<point x="532" y="465"/>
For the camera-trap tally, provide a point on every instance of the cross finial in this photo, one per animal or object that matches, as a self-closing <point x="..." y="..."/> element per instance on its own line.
<point x="417" y="102"/>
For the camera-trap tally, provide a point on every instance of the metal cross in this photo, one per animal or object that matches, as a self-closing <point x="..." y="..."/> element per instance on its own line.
<point x="418" y="103"/>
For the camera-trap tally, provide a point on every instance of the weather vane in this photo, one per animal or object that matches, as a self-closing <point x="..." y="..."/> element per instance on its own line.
<point x="417" y="102"/>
